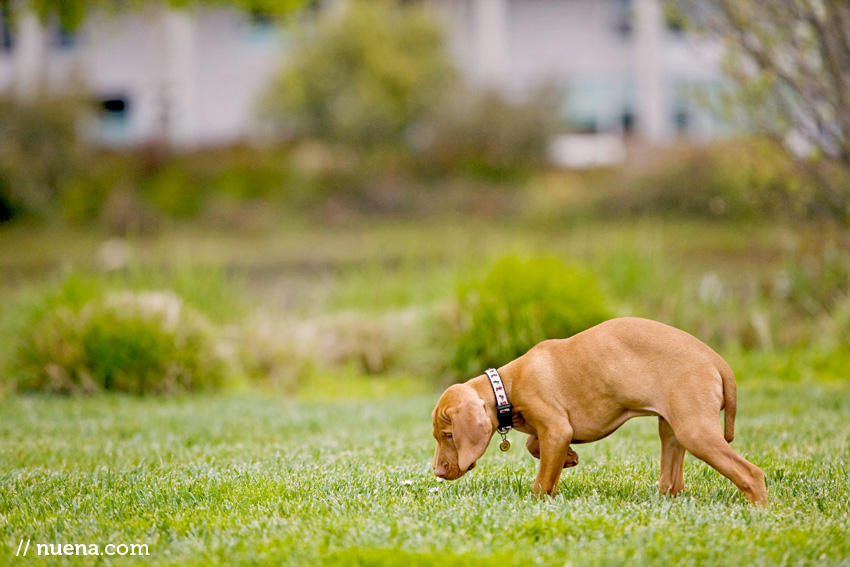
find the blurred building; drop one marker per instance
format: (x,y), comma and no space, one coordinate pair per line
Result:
(624,66)
(626,71)
(189,78)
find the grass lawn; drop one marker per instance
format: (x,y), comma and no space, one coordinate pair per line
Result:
(340,474)
(253,480)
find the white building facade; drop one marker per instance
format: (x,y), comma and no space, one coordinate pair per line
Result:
(621,65)
(194,78)
(187,78)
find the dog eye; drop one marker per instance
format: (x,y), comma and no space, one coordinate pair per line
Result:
(447,435)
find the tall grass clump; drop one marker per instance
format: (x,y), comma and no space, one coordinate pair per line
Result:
(88,335)
(140,343)
(519,303)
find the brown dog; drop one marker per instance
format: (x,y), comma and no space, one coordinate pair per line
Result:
(582,389)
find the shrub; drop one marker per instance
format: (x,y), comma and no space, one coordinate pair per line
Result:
(520,303)
(39,152)
(737,179)
(93,332)
(372,344)
(483,134)
(364,77)
(173,190)
(817,273)
(268,358)
(140,343)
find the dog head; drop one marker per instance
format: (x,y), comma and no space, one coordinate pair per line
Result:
(462,430)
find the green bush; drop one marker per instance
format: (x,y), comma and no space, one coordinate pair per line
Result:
(83,199)
(182,186)
(483,134)
(817,273)
(363,77)
(173,190)
(248,174)
(139,343)
(520,303)
(730,179)
(109,331)
(39,152)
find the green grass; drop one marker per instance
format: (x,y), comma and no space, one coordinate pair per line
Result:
(341,474)
(262,480)
(384,264)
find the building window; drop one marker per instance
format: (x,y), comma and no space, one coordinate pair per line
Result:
(113,127)
(262,28)
(623,22)
(64,38)
(61,35)
(627,121)
(7,41)
(115,107)
(681,118)
(261,20)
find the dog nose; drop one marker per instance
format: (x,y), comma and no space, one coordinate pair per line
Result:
(472,466)
(441,469)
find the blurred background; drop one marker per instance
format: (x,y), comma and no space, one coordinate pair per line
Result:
(349,198)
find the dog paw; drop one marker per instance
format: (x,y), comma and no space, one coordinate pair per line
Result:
(572,459)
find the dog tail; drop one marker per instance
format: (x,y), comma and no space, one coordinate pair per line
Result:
(730,401)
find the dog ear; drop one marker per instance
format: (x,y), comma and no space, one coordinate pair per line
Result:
(471,430)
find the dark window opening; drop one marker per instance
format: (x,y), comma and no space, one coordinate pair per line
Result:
(623,24)
(627,121)
(64,38)
(261,19)
(114,106)
(7,41)
(7,210)
(682,120)
(674,19)
(61,34)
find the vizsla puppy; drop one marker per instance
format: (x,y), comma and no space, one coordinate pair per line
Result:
(582,389)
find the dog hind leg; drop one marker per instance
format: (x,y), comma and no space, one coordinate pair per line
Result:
(672,460)
(533,446)
(703,437)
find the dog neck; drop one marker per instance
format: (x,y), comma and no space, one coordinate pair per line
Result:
(481,385)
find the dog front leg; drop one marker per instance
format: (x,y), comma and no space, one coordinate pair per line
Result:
(554,451)
(533,446)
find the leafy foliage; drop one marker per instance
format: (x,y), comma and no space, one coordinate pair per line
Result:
(790,61)
(484,134)
(363,77)
(72,13)
(39,151)
(520,303)
(735,179)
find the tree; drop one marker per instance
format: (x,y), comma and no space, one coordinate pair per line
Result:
(791,62)
(363,77)
(71,13)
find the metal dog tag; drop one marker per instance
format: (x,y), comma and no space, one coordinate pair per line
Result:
(505,445)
